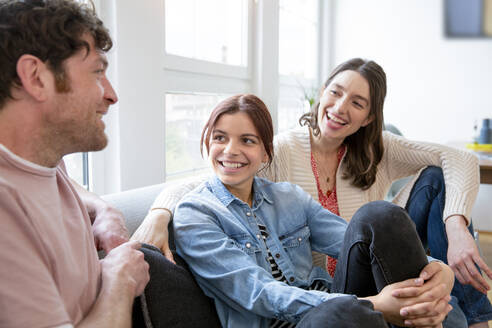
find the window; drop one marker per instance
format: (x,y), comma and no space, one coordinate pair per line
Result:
(78,168)
(298,59)
(78,164)
(195,53)
(298,38)
(205,61)
(291,105)
(214,30)
(186,114)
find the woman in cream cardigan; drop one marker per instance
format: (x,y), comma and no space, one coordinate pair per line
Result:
(342,157)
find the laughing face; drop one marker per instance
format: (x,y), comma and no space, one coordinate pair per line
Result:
(344,106)
(236,153)
(76,115)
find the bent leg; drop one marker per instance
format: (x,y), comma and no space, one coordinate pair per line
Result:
(425,207)
(380,247)
(348,312)
(172,298)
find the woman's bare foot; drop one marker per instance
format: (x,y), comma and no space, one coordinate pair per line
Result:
(480,325)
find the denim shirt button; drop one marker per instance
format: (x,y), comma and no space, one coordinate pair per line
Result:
(300,238)
(248,245)
(291,279)
(258,236)
(277,255)
(248,213)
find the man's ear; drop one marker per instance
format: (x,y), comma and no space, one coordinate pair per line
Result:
(36,79)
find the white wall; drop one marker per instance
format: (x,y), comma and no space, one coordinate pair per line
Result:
(437,87)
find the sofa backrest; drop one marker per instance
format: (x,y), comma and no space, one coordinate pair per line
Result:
(135,204)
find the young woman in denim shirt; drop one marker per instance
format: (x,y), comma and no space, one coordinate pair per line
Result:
(248,242)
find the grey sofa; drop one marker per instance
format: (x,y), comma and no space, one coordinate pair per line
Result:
(135,203)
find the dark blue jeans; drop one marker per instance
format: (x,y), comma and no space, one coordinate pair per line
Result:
(425,206)
(380,247)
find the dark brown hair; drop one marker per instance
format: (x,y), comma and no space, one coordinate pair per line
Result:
(365,147)
(51,30)
(252,106)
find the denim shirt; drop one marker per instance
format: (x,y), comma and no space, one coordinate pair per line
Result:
(218,236)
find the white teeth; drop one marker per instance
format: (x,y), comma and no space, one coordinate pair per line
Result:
(336,120)
(232,165)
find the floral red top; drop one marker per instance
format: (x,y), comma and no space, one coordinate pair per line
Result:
(329,201)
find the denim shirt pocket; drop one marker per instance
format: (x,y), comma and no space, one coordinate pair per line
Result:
(297,246)
(246,243)
(296,238)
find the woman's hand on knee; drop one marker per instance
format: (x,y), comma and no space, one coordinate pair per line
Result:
(411,311)
(153,231)
(389,305)
(435,282)
(422,300)
(428,314)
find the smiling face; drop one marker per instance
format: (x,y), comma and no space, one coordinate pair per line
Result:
(76,115)
(344,106)
(236,153)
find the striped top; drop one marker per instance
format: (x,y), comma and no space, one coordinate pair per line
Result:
(279,276)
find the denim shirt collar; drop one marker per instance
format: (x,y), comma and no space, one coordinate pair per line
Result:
(226,197)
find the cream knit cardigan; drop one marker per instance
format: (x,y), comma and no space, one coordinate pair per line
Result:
(401,158)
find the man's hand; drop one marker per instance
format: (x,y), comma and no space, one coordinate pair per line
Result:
(125,270)
(108,227)
(463,255)
(108,224)
(153,231)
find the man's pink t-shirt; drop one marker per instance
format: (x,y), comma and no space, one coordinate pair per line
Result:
(49,269)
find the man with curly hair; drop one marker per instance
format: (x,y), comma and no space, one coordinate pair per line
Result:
(53,95)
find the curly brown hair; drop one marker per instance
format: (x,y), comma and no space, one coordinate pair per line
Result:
(51,30)
(365,147)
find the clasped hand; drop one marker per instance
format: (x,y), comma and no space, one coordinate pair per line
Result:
(420,302)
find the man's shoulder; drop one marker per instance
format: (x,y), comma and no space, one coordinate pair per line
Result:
(9,195)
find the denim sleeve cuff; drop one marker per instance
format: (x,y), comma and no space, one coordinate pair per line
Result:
(431,259)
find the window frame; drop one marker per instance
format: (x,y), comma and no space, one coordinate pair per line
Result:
(109,170)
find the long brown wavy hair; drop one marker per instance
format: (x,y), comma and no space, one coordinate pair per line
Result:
(365,147)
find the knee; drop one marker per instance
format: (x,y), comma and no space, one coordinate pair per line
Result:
(432,176)
(382,216)
(343,312)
